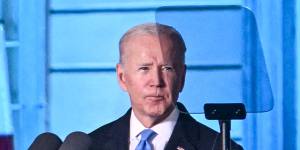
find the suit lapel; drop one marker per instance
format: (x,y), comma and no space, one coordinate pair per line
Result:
(179,140)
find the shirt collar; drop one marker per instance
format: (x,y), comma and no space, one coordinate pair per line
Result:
(164,129)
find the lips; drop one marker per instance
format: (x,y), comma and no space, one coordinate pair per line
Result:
(155,98)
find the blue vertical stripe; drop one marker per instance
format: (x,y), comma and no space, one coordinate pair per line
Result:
(5,116)
(289,76)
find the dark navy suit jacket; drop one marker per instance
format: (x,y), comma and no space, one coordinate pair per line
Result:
(188,134)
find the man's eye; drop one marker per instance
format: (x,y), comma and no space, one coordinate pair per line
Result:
(167,68)
(144,68)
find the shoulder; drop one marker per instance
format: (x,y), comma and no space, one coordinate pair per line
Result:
(112,134)
(198,134)
(118,125)
(104,130)
(194,129)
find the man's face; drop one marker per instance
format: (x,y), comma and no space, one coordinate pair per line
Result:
(152,74)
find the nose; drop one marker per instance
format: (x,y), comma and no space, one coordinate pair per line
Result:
(157,78)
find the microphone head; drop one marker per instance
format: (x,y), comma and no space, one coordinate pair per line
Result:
(46,141)
(76,141)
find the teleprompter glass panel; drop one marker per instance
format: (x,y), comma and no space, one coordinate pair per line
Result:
(226,39)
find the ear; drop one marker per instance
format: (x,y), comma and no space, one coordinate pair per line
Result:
(121,76)
(182,78)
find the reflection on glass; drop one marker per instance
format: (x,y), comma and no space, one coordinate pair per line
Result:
(225,59)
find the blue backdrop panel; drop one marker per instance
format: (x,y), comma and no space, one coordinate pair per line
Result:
(92,37)
(84,101)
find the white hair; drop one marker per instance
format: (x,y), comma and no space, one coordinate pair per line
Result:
(153,29)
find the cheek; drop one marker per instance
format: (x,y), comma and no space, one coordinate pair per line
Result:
(176,84)
(172,84)
(135,85)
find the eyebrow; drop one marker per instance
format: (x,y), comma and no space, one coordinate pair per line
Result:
(150,63)
(145,64)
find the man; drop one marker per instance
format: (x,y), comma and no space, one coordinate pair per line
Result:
(152,70)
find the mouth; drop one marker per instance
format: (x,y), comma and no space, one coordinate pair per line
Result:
(154,98)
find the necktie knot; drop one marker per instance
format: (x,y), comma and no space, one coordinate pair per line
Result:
(146,136)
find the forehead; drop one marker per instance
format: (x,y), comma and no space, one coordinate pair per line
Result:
(149,49)
(152,42)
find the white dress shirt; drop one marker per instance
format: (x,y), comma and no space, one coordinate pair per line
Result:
(163,130)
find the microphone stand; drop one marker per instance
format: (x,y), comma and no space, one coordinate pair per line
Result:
(225,126)
(224,113)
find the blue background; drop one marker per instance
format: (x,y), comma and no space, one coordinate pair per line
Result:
(61,54)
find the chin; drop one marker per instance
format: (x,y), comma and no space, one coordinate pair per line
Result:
(157,112)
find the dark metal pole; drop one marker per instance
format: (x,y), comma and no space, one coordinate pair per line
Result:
(225,126)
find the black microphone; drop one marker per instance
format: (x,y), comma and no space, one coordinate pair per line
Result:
(76,141)
(46,141)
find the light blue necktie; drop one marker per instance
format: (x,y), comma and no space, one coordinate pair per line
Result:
(144,143)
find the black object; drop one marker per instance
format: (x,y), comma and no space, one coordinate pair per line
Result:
(46,141)
(225,112)
(76,141)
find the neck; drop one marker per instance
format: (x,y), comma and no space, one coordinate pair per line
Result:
(150,121)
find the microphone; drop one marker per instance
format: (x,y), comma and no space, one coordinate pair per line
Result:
(46,141)
(76,141)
